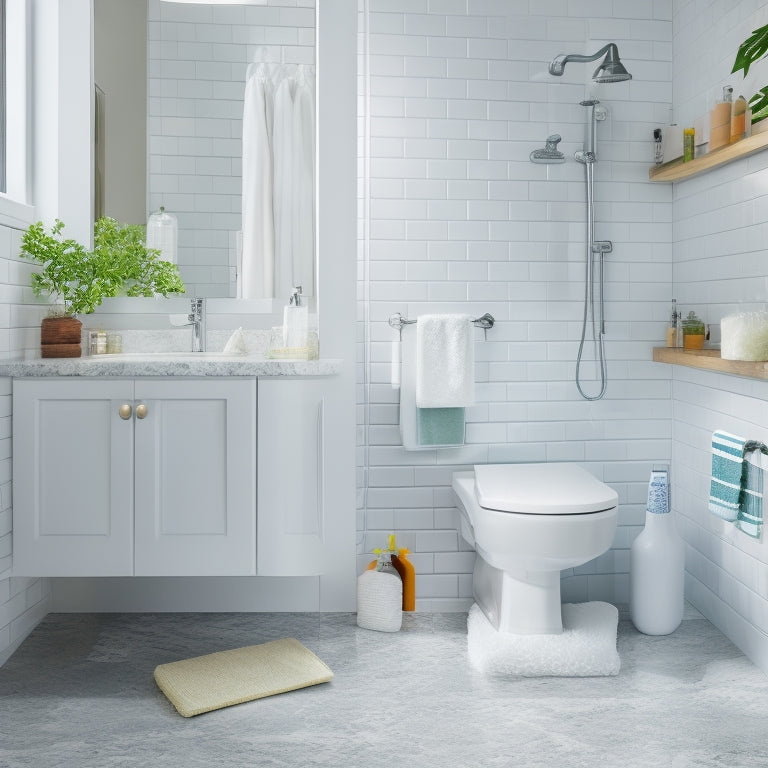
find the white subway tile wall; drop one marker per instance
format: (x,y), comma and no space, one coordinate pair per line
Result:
(23,602)
(720,230)
(454,95)
(198,57)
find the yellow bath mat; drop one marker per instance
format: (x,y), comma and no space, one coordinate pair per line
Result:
(222,679)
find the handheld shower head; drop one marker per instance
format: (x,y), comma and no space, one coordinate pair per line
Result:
(611,70)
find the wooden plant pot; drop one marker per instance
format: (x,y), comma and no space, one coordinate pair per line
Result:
(60,337)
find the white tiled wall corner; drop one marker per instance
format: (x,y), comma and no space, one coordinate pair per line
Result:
(455,218)
(719,226)
(197,63)
(23,602)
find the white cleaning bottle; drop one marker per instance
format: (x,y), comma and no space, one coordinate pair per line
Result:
(380,596)
(295,322)
(656,565)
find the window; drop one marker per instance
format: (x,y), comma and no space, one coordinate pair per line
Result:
(15,86)
(3,48)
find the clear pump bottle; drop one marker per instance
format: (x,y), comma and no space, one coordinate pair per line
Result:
(674,321)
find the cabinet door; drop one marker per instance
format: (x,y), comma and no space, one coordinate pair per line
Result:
(72,478)
(291,493)
(195,481)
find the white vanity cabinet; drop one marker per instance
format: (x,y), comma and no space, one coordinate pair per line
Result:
(295,537)
(144,477)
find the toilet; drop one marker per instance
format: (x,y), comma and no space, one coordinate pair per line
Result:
(528,522)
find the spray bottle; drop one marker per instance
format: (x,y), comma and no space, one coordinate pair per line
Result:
(656,565)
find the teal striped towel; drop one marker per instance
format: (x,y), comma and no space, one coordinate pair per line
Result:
(750,517)
(736,490)
(728,469)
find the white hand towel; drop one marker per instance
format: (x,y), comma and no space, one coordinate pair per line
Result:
(445,361)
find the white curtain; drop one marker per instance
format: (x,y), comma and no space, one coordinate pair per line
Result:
(278,181)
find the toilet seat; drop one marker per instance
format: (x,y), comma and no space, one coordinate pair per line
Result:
(541,489)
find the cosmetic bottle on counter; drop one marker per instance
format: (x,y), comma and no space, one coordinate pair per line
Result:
(295,322)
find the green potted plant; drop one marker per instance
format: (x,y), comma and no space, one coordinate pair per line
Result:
(79,279)
(754,48)
(693,331)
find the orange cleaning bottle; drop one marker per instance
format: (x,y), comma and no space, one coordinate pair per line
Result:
(408,574)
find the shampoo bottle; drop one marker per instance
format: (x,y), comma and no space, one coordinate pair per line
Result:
(720,121)
(295,322)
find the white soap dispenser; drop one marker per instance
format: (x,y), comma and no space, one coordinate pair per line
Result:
(295,322)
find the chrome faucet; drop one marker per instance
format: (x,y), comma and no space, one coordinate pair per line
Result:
(195,319)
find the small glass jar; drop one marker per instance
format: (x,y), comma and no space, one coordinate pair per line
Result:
(97,342)
(693,332)
(114,343)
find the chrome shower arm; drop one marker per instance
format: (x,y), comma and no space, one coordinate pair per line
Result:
(610,70)
(557,67)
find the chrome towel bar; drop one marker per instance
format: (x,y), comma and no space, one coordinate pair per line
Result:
(397,321)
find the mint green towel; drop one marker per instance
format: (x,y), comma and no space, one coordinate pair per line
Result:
(441,426)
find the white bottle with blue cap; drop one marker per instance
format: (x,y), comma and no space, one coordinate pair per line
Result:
(656,565)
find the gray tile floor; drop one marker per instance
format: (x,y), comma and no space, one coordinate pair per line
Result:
(79,692)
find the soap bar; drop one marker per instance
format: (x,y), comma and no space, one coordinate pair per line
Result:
(744,336)
(236,344)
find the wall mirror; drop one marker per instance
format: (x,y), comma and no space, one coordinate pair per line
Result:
(176,85)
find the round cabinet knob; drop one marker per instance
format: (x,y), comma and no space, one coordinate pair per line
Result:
(125,411)
(141,411)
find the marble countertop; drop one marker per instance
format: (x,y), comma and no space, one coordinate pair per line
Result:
(168,364)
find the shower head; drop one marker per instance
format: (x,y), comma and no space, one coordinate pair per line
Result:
(611,70)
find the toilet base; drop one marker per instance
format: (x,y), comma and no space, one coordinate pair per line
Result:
(521,603)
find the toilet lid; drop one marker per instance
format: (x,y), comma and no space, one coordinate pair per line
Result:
(544,489)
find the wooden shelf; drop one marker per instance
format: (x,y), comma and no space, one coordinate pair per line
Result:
(710,360)
(675,170)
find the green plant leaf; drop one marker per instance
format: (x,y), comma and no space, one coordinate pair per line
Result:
(759,105)
(82,279)
(752,49)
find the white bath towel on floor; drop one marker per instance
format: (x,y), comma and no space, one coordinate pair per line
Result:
(445,361)
(586,647)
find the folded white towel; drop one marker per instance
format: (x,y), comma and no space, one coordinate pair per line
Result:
(445,361)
